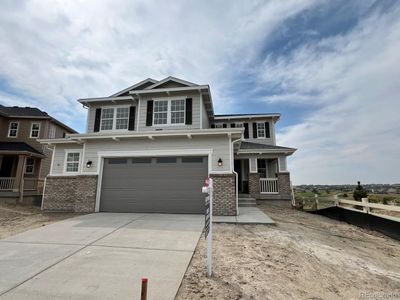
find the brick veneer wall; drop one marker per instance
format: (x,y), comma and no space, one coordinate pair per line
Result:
(254,185)
(70,193)
(224,197)
(284,185)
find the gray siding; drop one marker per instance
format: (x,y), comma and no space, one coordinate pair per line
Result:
(268,141)
(195,113)
(220,146)
(204,116)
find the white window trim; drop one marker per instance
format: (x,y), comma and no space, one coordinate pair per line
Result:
(239,123)
(33,166)
(265,133)
(9,129)
(67,151)
(114,125)
(30,135)
(169,113)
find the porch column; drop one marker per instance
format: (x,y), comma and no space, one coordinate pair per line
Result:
(284,185)
(254,185)
(19,176)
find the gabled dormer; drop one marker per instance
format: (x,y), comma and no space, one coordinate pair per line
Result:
(151,105)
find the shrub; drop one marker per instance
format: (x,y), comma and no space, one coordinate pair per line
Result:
(359,192)
(386,200)
(344,195)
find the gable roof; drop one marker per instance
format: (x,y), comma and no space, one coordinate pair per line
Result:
(30,113)
(181,82)
(137,86)
(251,147)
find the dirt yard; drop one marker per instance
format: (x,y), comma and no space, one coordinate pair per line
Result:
(16,218)
(303,256)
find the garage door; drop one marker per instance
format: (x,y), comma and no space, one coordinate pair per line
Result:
(153,184)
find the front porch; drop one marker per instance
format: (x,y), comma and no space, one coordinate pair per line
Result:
(19,177)
(263,177)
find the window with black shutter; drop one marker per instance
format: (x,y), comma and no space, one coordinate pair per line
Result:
(246,130)
(267,132)
(189,113)
(149,114)
(255,130)
(97,119)
(132,113)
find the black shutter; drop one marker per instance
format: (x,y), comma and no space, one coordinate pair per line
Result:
(212,125)
(97,119)
(149,115)
(188,120)
(232,125)
(246,130)
(132,112)
(255,130)
(224,125)
(267,133)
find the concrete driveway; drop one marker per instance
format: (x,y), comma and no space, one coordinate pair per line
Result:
(100,256)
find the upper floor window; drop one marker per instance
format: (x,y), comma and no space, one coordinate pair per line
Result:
(261,130)
(114,118)
(72,161)
(30,166)
(13,129)
(167,112)
(35,129)
(219,125)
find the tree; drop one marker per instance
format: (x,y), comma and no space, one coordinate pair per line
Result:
(315,191)
(359,192)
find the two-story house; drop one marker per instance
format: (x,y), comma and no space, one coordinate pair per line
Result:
(148,148)
(24,162)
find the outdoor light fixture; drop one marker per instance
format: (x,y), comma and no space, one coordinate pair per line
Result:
(220,162)
(89,164)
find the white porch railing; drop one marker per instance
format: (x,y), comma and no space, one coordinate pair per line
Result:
(269,186)
(6,183)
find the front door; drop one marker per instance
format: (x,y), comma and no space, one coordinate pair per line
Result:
(6,166)
(238,169)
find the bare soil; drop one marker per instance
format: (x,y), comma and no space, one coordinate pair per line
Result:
(303,256)
(17,218)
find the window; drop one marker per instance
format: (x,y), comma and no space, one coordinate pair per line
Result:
(141,160)
(35,129)
(262,167)
(13,129)
(166,160)
(238,125)
(192,159)
(261,130)
(30,166)
(117,161)
(167,112)
(177,111)
(219,125)
(122,118)
(52,132)
(72,162)
(107,118)
(160,112)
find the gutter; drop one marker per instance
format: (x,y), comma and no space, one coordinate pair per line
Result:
(236,175)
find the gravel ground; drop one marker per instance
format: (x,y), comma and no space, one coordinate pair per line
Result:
(18,218)
(303,256)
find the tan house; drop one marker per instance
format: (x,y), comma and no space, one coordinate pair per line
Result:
(149,147)
(24,162)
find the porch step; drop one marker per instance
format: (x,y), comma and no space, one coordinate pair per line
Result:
(244,196)
(247,201)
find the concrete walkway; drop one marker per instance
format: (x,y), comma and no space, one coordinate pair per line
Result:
(98,256)
(247,215)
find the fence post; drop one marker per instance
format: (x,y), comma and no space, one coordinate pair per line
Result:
(366,209)
(316,201)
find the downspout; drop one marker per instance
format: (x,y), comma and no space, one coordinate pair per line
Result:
(236,175)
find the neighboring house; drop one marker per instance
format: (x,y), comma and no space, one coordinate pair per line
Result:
(24,162)
(148,148)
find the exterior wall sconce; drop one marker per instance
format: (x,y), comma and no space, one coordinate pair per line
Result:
(89,164)
(220,162)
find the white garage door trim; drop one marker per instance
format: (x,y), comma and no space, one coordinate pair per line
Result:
(112,154)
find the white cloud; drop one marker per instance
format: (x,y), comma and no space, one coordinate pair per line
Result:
(356,79)
(58,51)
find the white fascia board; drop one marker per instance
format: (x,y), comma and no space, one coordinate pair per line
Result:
(165,90)
(134,86)
(170,78)
(58,141)
(266,151)
(85,101)
(247,117)
(219,131)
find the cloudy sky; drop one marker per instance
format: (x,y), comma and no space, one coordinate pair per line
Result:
(332,68)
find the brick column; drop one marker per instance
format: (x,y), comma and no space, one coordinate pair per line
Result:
(70,193)
(284,185)
(224,197)
(254,185)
